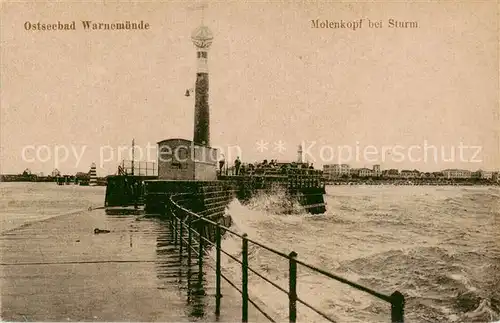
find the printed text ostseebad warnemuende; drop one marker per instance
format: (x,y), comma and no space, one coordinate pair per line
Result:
(87,25)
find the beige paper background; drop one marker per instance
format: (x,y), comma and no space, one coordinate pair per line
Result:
(272,77)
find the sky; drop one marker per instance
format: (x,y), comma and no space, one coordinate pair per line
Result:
(413,98)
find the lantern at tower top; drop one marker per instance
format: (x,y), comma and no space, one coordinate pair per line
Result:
(202,37)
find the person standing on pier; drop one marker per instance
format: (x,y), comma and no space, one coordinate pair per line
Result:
(136,194)
(237,164)
(221,165)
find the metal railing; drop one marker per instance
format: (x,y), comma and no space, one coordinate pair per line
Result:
(137,167)
(185,222)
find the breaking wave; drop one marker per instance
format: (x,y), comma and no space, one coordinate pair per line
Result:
(274,202)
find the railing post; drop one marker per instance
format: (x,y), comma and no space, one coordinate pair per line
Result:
(217,270)
(175,230)
(190,238)
(244,278)
(200,249)
(181,236)
(292,287)
(397,307)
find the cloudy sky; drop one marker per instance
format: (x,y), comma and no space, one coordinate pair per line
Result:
(412,96)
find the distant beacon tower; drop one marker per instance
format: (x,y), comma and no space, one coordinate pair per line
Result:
(299,154)
(202,39)
(93,175)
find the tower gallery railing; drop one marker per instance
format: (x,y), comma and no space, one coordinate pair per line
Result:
(191,230)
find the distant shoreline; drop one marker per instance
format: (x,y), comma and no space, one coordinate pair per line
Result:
(400,184)
(414,182)
(46,179)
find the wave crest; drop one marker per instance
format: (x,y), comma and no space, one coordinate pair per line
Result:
(276,201)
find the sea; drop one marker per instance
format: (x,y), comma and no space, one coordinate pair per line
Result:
(439,246)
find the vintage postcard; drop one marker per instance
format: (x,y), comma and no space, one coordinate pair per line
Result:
(254,161)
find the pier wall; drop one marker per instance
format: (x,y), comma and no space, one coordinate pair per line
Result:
(125,190)
(205,198)
(210,198)
(188,199)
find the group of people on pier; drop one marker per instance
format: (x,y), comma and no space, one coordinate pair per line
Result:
(265,167)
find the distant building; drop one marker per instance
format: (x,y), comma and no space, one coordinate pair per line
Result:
(55,173)
(82,175)
(335,170)
(486,174)
(410,173)
(391,173)
(481,174)
(327,172)
(457,173)
(344,169)
(365,172)
(438,174)
(376,170)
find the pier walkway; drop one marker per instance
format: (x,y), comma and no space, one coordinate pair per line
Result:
(59,270)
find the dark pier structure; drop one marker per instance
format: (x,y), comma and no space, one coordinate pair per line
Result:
(186,166)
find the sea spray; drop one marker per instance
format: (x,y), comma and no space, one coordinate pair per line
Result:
(276,201)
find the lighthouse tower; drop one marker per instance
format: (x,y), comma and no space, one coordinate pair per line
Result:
(202,38)
(199,163)
(93,175)
(299,155)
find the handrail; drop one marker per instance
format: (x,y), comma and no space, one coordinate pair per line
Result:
(184,218)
